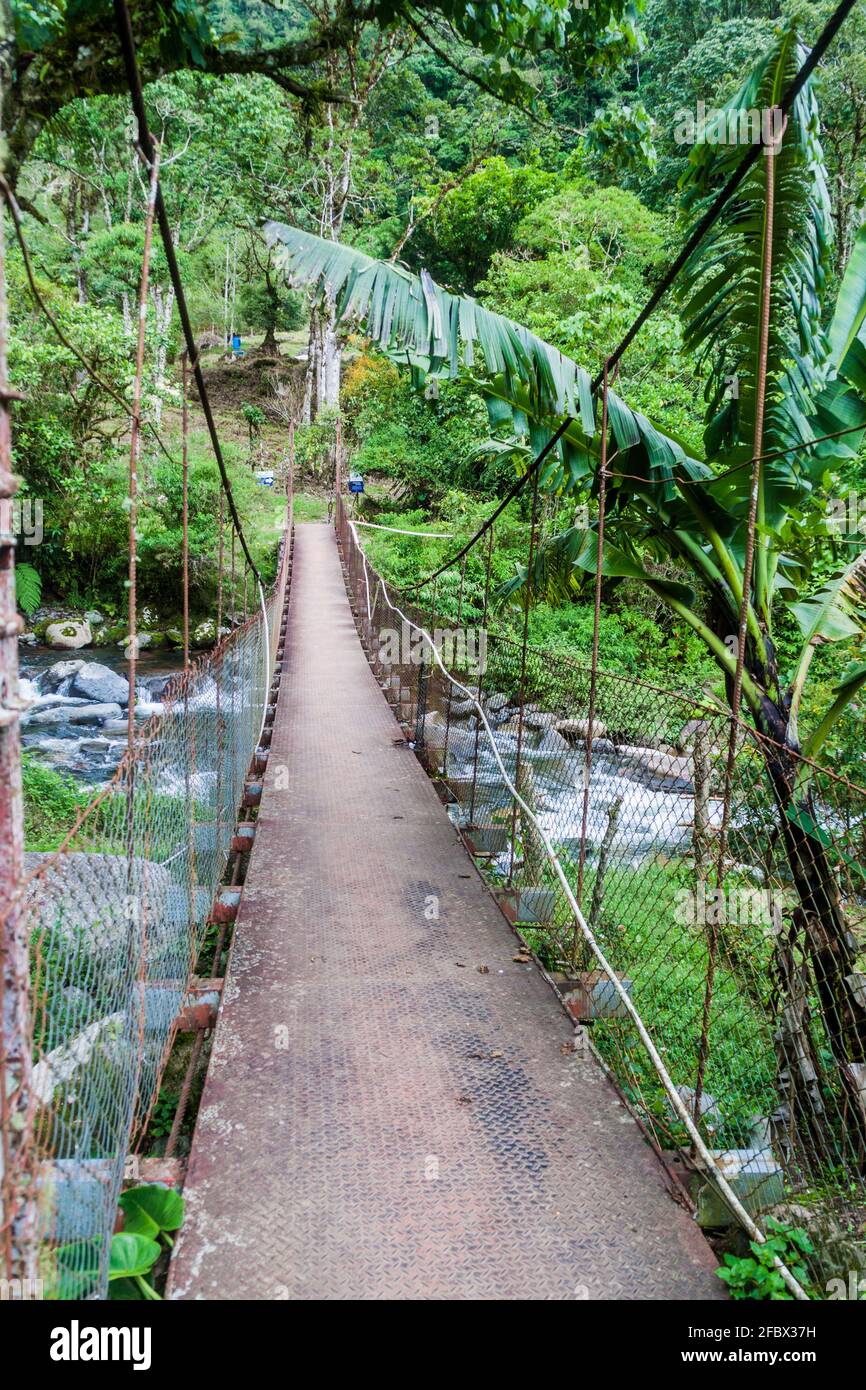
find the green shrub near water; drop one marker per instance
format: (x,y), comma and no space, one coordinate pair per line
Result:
(52,800)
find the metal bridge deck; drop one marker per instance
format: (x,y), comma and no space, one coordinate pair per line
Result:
(380,1118)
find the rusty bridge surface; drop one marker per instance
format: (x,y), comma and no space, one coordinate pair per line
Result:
(383,1118)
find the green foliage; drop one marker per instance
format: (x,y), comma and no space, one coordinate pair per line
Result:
(426,444)
(28,587)
(621,137)
(271,309)
(722,285)
(150,1213)
(480,216)
(756,1276)
(152,1210)
(64,418)
(255,418)
(162,1114)
(51,803)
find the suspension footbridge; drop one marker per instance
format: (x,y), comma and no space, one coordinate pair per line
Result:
(306,871)
(394,1105)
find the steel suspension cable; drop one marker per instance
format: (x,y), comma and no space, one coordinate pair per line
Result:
(524,643)
(513,492)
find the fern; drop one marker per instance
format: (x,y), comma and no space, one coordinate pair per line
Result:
(28,588)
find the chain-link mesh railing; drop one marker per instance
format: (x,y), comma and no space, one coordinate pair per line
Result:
(740,978)
(115,921)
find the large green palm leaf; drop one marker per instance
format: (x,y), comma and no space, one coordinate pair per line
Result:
(528,385)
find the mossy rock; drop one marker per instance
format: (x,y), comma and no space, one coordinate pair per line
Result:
(204,634)
(68,634)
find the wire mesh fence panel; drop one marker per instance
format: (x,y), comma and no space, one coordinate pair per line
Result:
(116,920)
(743,967)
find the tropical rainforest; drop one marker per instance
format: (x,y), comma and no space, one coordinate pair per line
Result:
(415,236)
(540,159)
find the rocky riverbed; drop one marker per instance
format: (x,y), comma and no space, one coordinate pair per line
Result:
(651,787)
(77,711)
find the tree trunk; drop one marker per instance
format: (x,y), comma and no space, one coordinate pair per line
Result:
(312,380)
(820,924)
(331,356)
(163,305)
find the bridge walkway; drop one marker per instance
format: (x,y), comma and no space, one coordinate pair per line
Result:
(392,1108)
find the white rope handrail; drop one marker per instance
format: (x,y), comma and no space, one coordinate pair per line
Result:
(398,531)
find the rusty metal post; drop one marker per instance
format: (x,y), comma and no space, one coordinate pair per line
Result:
(450,694)
(185,508)
(338,457)
(593,677)
(134,452)
(219,675)
(18,1225)
(424,682)
(523,646)
(487,563)
(190,762)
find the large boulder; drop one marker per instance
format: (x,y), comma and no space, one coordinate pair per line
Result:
(93,681)
(553,743)
(141,641)
(52,679)
(74,714)
(495,702)
(538,719)
(115,728)
(653,764)
(110,634)
(156,686)
(146,709)
(461,709)
(69,635)
(93,910)
(576,730)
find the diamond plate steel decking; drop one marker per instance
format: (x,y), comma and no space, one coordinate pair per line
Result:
(381,1119)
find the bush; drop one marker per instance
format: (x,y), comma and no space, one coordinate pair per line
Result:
(51,803)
